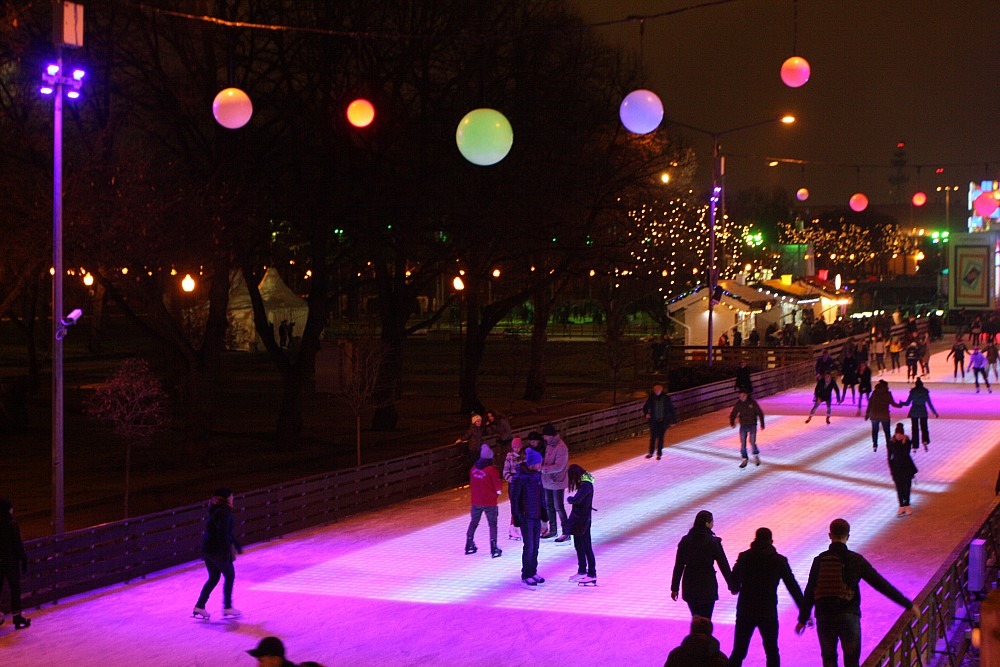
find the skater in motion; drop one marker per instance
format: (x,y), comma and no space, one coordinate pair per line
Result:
(826,389)
(694,567)
(833,587)
(698,649)
(878,411)
(515,457)
(902,468)
(659,410)
(957,351)
(748,412)
(13,562)
(581,485)
(912,356)
(849,376)
(485,487)
(979,366)
(219,548)
(756,575)
(528,509)
(864,383)
(919,401)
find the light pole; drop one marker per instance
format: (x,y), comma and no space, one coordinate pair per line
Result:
(459,286)
(57,84)
(718,180)
(947,190)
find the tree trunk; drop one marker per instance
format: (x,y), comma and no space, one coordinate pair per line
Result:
(390,379)
(534,388)
(357,432)
(289,424)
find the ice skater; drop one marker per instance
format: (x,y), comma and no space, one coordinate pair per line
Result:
(528,509)
(849,376)
(826,389)
(485,486)
(912,356)
(957,351)
(902,468)
(219,548)
(919,401)
(473,437)
(659,411)
(581,485)
(555,481)
(511,465)
(748,412)
(864,383)
(979,366)
(697,554)
(13,562)
(878,411)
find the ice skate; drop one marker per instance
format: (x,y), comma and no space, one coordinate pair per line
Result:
(495,551)
(756,460)
(578,576)
(901,512)
(538,580)
(470,547)
(908,510)
(809,419)
(530,583)
(828,419)
(20,622)
(563,538)
(587,581)
(198,612)
(743,464)
(231,612)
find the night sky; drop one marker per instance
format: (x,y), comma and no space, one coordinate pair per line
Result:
(924,72)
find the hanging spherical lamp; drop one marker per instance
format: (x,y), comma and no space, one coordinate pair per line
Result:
(919,198)
(232,108)
(859,202)
(484,137)
(360,113)
(795,72)
(985,204)
(802,194)
(641,111)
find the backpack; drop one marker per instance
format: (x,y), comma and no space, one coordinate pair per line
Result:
(831,581)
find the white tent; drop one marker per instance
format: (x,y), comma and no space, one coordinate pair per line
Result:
(281,303)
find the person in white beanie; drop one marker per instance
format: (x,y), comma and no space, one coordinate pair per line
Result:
(486,486)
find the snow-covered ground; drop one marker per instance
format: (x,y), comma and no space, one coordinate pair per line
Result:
(393,587)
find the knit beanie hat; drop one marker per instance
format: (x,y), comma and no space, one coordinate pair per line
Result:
(548,429)
(485,452)
(515,443)
(531,457)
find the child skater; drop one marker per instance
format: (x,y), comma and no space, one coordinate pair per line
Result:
(581,484)
(13,561)
(510,467)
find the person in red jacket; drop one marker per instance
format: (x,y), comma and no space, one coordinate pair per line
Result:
(485,484)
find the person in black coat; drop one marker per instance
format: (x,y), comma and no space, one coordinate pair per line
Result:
(527,508)
(219,548)
(13,561)
(697,554)
(659,410)
(698,649)
(756,575)
(581,483)
(902,468)
(743,379)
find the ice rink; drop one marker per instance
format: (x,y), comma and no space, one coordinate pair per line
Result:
(393,587)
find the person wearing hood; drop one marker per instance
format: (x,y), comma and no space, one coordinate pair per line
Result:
(581,483)
(698,649)
(756,575)
(919,401)
(219,548)
(13,562)
(555,461)
(527,506)
(697,554)
(485,486)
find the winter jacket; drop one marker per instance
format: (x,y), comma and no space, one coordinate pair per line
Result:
(823,364)
(856,568)
(485,484)
(512,464)
(526,496)
(217,541)
(748,412)
(879,402)
(958,351)
(743,380)
(583,504)
(11,547)
(824,392)
(697,650)
(977,360)
(900,463)
(865,380)
(849,368)
(499,428)
(919,400)
(555,464)
(756,575)
(660,408)
(697,554)
(912,353)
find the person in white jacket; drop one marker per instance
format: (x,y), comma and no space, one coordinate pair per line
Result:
(555,479)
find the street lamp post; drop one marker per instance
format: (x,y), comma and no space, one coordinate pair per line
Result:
(947,189)
(718,174)
(459,286)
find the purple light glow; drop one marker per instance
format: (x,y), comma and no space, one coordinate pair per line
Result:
(46,90)
(78,74)
(52,70)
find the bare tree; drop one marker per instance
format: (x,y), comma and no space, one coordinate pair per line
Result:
(363,357)
(132,402)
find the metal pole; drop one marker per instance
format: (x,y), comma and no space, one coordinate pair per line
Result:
(714,202)
(58,511)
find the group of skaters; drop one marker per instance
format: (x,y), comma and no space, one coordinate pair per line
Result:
(538,474)
(832,590)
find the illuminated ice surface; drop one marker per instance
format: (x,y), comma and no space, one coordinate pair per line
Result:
(393,587)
